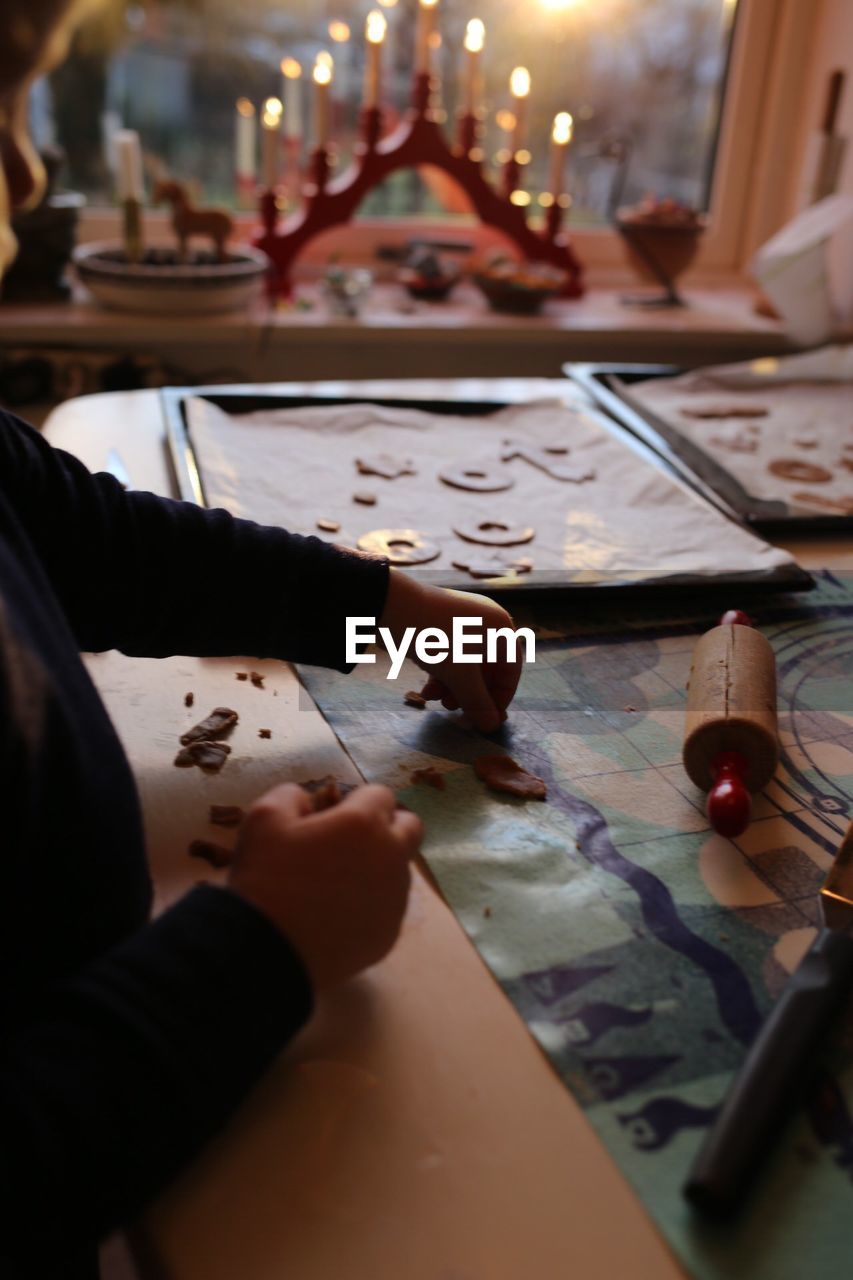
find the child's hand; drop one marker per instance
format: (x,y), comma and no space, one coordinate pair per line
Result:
(334,883)
(483,691)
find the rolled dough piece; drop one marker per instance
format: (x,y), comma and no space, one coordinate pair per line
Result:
(385,465)
(494,533)
(329,526)
(502,773)
(479,477)
(731,705)
(800,472)
(366,499)
(414,699)
(399,546)
(491,564)
(542,456)
(220,722)
(726,411)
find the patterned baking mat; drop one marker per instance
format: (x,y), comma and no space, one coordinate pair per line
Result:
(641,949)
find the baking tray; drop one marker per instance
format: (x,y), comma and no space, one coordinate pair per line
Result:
(474,397)
(609,386)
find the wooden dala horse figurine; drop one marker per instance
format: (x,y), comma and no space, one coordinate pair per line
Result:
(188,221)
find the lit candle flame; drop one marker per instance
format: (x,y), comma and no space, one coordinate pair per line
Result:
(519,82)
(339,31)
(245,107)
(291,68)
(323,69)
(563,127)
(428,4)
(272,113)
(475,35)
(375,27)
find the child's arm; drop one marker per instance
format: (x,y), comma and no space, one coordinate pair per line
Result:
(153,577)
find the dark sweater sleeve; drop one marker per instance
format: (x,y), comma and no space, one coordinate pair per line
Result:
(128,1068)
(153,577)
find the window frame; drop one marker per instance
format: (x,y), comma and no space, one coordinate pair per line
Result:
(757,158)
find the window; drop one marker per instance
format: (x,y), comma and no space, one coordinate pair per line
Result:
(643,82)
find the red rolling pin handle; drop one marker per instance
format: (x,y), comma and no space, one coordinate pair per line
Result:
(729,803)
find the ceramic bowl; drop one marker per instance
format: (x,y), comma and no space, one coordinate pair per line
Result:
(161,284)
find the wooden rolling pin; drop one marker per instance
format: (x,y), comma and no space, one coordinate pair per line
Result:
(731,744)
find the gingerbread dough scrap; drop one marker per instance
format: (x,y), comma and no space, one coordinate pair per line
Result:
(327,792)
(478,477)
(226,815)
(385,465)
(798,471)
(726,411)
(429,776)
(399,546)
(216,854)
(413,699)
(502,773)
(209,756)
(189,699)
(220,722)
(328,526)
(494,533)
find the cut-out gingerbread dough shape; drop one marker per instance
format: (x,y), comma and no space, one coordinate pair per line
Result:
(494,533)
(545,458)
(385,465)
(478,477)
(399,546)
(726,411)
(491,564)
(800,472)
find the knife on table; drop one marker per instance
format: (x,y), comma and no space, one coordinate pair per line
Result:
(769,1083)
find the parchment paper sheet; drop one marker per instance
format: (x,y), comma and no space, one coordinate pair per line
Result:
(293,466)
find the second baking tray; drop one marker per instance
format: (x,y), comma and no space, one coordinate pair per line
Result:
(609,386)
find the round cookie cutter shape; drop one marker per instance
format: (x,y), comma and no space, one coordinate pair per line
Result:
(494,533)
(399,546)
(478,477)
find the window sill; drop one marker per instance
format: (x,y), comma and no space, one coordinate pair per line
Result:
(458,337)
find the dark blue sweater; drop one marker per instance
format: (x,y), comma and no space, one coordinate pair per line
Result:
(125,1044)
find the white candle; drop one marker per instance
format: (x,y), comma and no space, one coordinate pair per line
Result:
(425,28)
(128,165)
(323,72)
(270,140)
(374,33)
(475,35)
(291,96)
(561,136)
(245,138)
(519,85)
